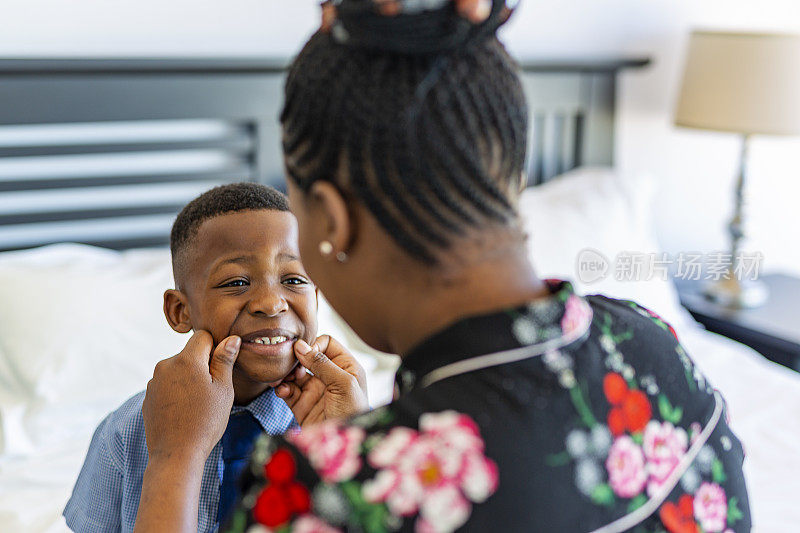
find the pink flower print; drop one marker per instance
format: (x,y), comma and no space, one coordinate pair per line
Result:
(577,315)
(332,449)
(311,524)
(389,448)
(626,469)
(664,445)
(711,507)
(436,472)
(447,508)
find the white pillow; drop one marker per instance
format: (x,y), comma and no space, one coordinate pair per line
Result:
(81,329)
(597,208)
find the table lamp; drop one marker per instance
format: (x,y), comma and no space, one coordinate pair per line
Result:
(748,84)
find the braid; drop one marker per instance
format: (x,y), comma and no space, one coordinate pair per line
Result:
(460,151)
(442,149)
(468,121)
(511,92)
(358,142)
(418,162)
(381,157)
(429,143)
(491,97)
(404,166)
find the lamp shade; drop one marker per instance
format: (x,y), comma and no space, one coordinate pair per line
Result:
(741,82)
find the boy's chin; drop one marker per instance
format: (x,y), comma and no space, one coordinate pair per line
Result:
(270,373)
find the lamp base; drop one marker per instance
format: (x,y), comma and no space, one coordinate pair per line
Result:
(737,294)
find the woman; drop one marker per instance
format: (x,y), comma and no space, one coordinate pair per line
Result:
(520,406)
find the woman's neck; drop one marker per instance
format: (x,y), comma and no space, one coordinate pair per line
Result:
(501,281)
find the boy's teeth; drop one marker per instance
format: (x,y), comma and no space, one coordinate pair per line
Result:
(270,340)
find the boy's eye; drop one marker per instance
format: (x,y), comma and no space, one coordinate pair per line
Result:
(235,283)
(296,281)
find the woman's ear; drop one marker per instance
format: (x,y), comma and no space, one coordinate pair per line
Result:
(338,224)
(176,310)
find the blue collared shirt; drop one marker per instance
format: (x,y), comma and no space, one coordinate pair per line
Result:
(106,495)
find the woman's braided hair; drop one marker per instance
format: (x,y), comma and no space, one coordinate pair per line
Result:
(432,143)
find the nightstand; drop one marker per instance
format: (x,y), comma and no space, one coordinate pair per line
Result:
(772,329)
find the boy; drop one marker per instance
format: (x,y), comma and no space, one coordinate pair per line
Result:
(237,272)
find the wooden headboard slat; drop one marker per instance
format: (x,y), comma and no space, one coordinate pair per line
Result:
(233,174)
(237,101)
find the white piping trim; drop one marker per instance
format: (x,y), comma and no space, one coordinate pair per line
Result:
(628,521)
(500,358)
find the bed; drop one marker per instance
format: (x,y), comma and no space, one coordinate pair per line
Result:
(97,156)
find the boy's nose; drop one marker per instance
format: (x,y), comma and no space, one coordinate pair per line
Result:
(267,302)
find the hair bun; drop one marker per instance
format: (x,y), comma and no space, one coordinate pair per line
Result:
(417,27)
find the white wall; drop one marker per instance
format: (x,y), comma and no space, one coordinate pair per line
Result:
(695,169)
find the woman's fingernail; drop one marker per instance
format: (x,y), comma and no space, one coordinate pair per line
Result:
(302,347)
(232,345)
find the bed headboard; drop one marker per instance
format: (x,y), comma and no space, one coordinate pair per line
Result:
(106,152)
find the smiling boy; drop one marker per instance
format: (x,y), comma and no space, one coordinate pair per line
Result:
(237,272)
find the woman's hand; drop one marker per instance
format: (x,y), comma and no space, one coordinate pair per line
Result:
(188,401)
(337,388)
(186,409)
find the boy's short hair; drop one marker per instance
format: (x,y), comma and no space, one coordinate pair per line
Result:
(218,201)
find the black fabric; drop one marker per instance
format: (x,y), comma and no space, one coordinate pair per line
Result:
(550,425)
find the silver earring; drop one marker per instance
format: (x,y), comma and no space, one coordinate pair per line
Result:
(325,248)
(341,257)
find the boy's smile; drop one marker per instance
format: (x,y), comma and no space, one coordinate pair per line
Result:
(271,342)
(243,277)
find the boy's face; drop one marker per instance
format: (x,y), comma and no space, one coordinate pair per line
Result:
(243,276)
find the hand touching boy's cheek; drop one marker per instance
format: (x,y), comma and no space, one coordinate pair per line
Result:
(247,280)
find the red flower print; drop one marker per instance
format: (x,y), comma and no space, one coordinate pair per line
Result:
(679,518)
(299,498)
(272,507)
(630,410)
(637,411)
(616,422)
(615,388)
(281,468)
(283,497)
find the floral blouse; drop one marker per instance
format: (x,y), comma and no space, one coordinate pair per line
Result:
(601,423)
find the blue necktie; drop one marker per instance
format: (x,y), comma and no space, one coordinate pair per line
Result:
(237,442)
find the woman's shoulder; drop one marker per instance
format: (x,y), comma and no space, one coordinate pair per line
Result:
(633,354)
(628,311)
(620,426)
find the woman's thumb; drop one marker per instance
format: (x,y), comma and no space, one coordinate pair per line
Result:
(223,358)
(318,363)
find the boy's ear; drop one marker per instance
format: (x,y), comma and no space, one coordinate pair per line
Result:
(176,310)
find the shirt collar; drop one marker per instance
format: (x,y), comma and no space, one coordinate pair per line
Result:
(541,320)
(270,412)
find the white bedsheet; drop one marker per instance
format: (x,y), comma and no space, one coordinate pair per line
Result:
(764,408)
(763,398)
